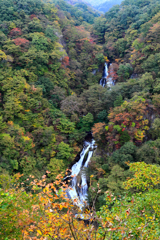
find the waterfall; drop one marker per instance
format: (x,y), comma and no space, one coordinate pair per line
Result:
(105,73)
(78,189)
(106,80)
(104,76)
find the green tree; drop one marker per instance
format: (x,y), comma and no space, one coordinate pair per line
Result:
(87,122)
(39,41)
(152,63)
(127,153)
(65,152)
(115,180)
(100,28)
(149,152)
(124,71)
(146,82)
(118,101)
(50,33)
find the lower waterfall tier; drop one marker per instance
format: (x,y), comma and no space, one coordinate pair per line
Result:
(78,190)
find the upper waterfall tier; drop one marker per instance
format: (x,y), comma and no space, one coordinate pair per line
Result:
(106,79)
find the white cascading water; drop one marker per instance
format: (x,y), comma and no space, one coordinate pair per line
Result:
(78,191)
(105,79)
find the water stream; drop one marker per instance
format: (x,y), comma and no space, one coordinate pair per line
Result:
(79,187)
(78,190)
(106,79)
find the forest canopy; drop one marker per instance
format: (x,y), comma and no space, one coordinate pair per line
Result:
(52,57)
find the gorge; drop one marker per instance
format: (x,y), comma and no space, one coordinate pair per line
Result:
(62,107)
(78,190)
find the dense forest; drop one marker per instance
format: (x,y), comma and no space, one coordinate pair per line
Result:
(52,57)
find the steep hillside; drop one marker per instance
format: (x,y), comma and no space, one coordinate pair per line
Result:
(105,6)
(54,57)
(94,2)
(102,6)
(130,37)
(44,57)
(79,11)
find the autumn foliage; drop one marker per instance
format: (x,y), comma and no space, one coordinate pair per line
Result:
(15,32)
(113,71)
(128,122)
(50,98)
(65,61)
(98,129)
(33,16)
(46,213)
(21,41)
